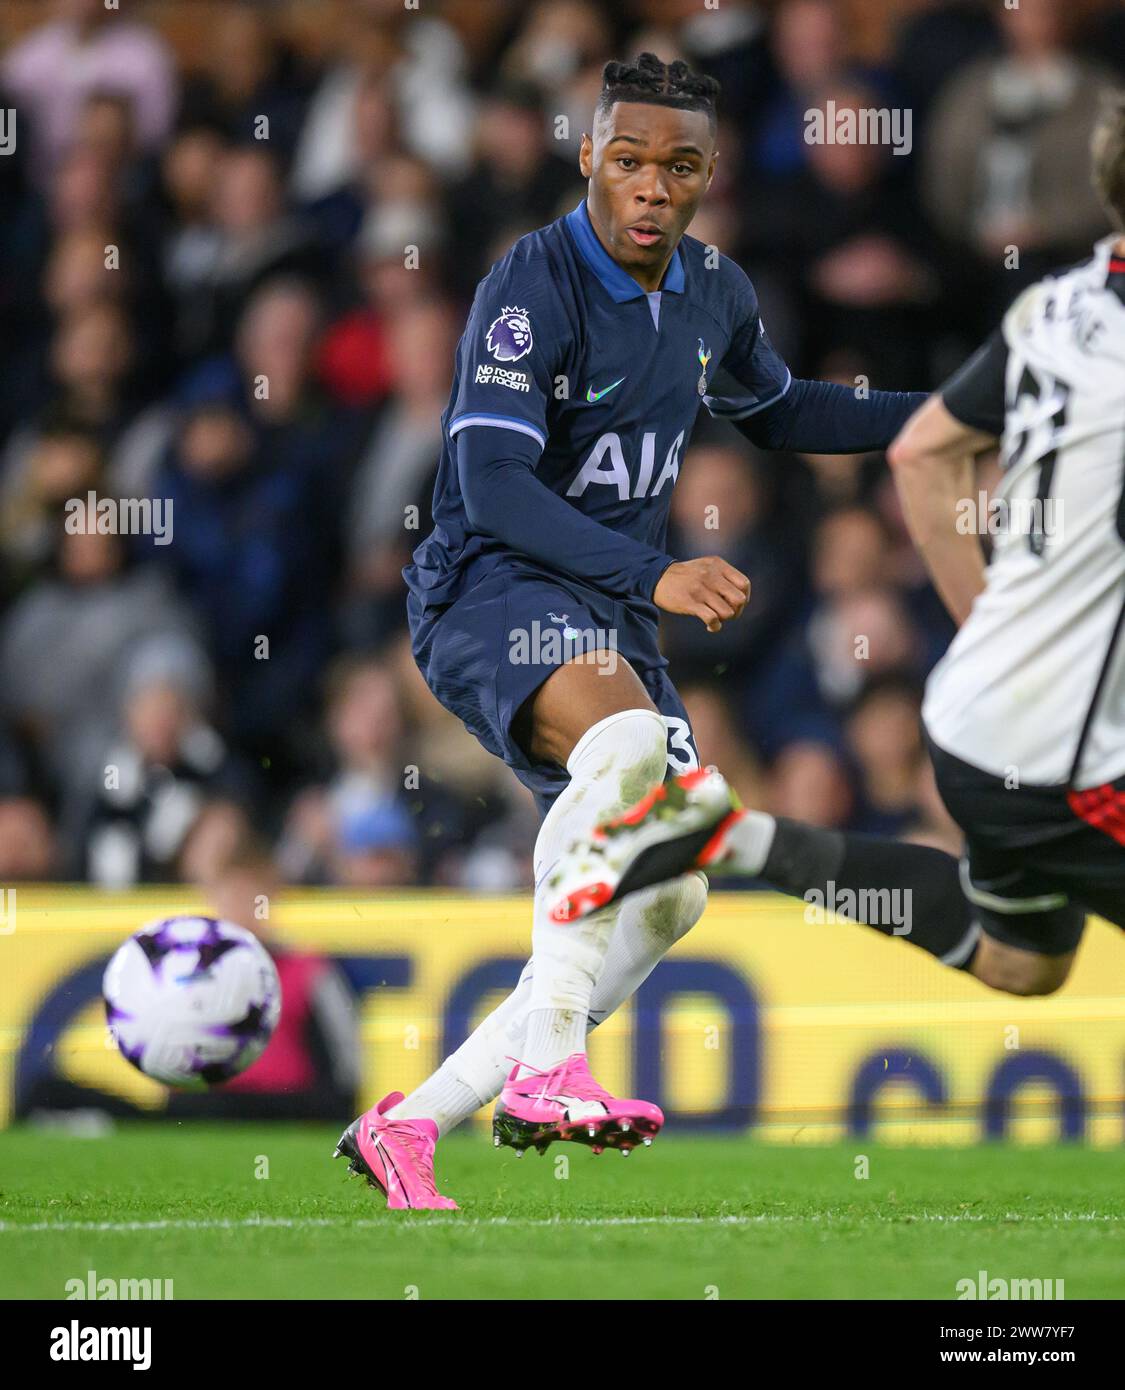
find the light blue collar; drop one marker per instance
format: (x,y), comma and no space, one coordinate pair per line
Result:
(619,284)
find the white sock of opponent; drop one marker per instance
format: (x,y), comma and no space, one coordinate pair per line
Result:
(649,923)
(613,765)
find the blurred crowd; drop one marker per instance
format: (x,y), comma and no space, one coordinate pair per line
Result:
(237,245)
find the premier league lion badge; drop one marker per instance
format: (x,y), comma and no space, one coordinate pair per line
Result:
(509,336)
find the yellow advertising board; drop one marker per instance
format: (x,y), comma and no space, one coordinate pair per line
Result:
(757,1021)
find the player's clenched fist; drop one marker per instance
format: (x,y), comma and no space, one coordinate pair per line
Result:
(708,589)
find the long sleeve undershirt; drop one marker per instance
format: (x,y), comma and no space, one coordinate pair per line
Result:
(823,417)
(504,499)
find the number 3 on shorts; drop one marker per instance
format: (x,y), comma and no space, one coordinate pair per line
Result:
(682,756)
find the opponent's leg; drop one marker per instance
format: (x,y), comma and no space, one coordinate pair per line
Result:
(912,891)
(1021,941)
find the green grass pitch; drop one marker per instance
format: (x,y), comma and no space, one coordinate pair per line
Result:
(689,1218)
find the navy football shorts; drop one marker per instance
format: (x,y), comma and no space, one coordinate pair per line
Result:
(486,653)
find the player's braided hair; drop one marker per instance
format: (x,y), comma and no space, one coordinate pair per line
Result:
(659,84)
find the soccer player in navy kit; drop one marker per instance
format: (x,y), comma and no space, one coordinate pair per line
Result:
(533,603)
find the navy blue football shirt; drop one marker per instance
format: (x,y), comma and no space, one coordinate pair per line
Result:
(568,367)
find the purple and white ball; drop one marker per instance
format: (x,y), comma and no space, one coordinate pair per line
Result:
(192,1001)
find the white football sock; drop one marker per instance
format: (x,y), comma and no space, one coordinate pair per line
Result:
(553,1034)
(442,1097)
(649,923)
(475,1074)
(615,762)
(746,844)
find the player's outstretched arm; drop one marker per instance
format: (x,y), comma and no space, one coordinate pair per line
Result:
(757,393)
(822,417)
(933,460)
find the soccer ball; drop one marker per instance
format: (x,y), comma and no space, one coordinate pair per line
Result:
(191,1001)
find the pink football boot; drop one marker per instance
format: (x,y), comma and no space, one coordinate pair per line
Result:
(396,1156)
(567,1103)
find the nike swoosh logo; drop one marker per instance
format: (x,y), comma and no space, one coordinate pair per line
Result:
(592,395)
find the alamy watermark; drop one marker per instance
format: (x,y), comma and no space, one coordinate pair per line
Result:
(93,1288)
(129,516)
(984,1287)
(847,125)
(559,641)
(875,907)
(77,1343)
(983,515)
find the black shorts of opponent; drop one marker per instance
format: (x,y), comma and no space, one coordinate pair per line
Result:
(1037,859)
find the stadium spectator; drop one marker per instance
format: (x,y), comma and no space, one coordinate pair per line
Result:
(310,1068)
(856,635)
(249,85)
(338,211)
(419,59)
(27,843)
(376,847)
(62,460)
(396,262)
(70,642)
(1005,174)
(718,735)
(389,507)
(559,39)
(935,39)
(516,177)
(152,782)
(480,803)
(356,827)
(217,831)
(93,354)
(809,782)
(88,48)
(808,55)
(255,238)
(884,739)
(843,231)
(252,557)
(849,552)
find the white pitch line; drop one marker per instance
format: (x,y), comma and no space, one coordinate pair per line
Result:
(366,1223)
